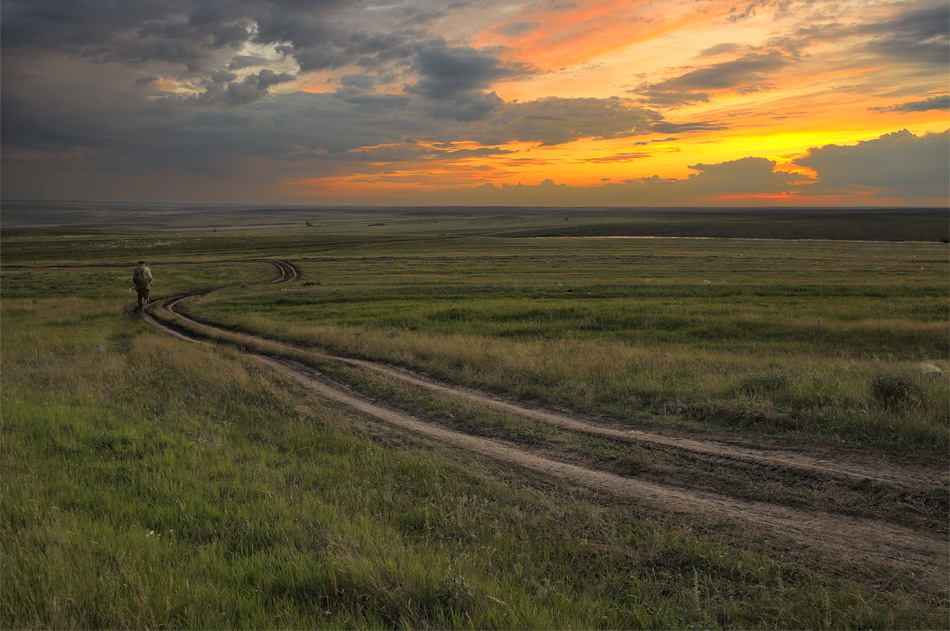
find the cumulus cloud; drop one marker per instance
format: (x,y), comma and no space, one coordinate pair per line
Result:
(895,165)
(745,176)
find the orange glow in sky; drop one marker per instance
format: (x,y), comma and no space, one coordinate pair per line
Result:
(599,102)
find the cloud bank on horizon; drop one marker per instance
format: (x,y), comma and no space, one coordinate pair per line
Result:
(521,102)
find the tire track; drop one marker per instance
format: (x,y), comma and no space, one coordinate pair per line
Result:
(851,537)
(918,551)
(733,450)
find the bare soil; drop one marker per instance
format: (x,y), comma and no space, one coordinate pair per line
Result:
(918,550)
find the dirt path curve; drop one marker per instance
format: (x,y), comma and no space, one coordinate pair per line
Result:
(837,464)
(921,552)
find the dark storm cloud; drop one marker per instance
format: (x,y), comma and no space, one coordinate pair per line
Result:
(239,62)
(748,73)
(186,32)
(68,24)
(447,72)
(455,78)
(225,89)
(127,32)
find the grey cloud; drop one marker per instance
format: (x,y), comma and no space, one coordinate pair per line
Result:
(665,127)
(410,151)
(329,127)
(453,79)
(917,36)
(552,121)
(340,46)
(224,89)
(736,16)
(518,28)
(448,72)
(466,107)
(196,37)
(68,24)
(239,62)
(720,49)
(301,25)
(668,98)
(940,103)
(267,78)
(899,164)
(743,176)
(359,90)
(119,31)
(745,74)
(621,157)
(254,87)
(186,32)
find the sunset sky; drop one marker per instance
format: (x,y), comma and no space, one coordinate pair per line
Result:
(521,102)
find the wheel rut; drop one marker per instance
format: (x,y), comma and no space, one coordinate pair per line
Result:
(921,552)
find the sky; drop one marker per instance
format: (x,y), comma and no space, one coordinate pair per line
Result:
(520,102)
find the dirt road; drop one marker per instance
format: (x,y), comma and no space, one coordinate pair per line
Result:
(918,550)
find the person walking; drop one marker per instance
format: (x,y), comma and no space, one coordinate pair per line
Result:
(142,277)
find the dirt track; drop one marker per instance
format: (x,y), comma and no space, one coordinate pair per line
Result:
(920,551)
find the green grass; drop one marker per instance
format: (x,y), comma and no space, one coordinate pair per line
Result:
(149,482)
(764,337)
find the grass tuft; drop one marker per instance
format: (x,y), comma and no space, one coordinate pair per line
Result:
(891,388)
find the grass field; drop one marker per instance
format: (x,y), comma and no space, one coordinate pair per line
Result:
(151,482)
(772,336)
